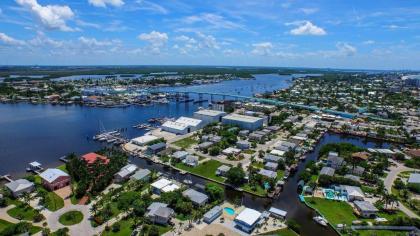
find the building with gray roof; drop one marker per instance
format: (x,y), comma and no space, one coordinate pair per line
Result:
(212,214)
(142,174)
(20,186)
(159,213)
(327,171)
(196,197)
(365,209)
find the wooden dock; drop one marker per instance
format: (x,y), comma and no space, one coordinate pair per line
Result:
(6,177)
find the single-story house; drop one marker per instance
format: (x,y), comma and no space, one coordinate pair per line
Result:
(243,133)
(222,170)
(142,174)
(256,137)
(243,144)
(285,146)
(231,151)
(205,145)
(277,152)
(352,177)
(212,214)
(20,186)
(144,140)
(365,209)
(158,185)
(414,178)
(247,219)
(335,162)
(170,188)
(271,166)
(358,170)
(198,199)
(92,157)
(353,193)
(159,213)
(180,155)
(272,158)
(327,171)
(53,179)
(156,148)
(191,160)
(125,172)
(268,173)
(361,155)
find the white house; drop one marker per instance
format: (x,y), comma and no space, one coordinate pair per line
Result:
(182,125)
(125,172)
(209,116)
(244,122)
(143,140)
(247,219)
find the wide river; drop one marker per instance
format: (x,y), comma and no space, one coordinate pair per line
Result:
(44,133)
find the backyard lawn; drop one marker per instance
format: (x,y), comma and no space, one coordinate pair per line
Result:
(381,233)
(282,232)
(125,229)
(342,212)
(22,212)
(4,224)
(71,218)
(206,169)
(63,168)
(259,189)
(185,143)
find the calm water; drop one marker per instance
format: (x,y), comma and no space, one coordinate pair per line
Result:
(46,132)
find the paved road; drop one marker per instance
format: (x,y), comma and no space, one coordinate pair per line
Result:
(389,181)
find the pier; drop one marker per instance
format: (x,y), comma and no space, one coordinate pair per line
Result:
(6,177)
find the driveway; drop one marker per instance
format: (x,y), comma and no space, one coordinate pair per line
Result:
(389,181)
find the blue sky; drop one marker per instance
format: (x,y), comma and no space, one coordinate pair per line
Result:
(334,34)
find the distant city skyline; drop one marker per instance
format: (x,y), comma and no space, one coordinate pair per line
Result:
(318,34)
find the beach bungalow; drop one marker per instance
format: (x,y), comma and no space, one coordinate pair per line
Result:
(247,220)
(124,173)
(159,213)
(277,213)
(197,198)
(268,173)
(180,155)
(191,160)
(231,151)
(365,209)
(20,186)
(335,161)
(53,179)
(222,170)
(158,185)
(212,214)
(142,174)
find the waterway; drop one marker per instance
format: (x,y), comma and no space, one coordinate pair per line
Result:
(44,133)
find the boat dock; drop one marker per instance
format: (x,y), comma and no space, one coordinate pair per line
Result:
(63,159)
(6,177)
(113,137)
(35,167)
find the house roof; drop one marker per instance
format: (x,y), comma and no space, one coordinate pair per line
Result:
(50,175)
(224,168)
(212,212)
(414,178)
(92,157)
(361,155)
(159,209)
(212,113)
(175,125)
(161,183)
(327,171)
(414,152)
(18,185)
(195,196)
(180,154)
(268,173)
(145,139)
(169,188)
(277,211)
(127,170)
(242,118)
(365,206)
(189,121)
(271,164)
(272,158)
(248,216)
(157,146)
(353,190)
(140,174)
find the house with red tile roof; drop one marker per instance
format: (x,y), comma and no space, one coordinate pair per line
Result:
(92,157)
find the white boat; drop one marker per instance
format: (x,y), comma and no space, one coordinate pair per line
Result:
(187,181)
(320,220)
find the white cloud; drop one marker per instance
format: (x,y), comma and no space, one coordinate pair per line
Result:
(262,49)
(369,42)
(51,16)
(345,49)
(93,42)
(104,3)
(186,39)
(156,40)
(309,11)
(207,41)
(6,39)
(215,21)
(306,28)
(150,6)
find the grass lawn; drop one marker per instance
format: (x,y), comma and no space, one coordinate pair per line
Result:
(391,216)
(280,174)
(125,229)
(4,224)
(249,151)
(282,232)
(71,218)
(259,191)
(335,212)
(186,142)
(381,233)
(206,169)
(22,213)
(258,165)
(63,168)
(53,202)
(163,229)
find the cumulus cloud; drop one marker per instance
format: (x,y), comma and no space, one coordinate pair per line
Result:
(186,39)
(262,49)
(207,41)
(105,3)
(306,28)
(156,40)
(369,42)
(52,17)
(10,41)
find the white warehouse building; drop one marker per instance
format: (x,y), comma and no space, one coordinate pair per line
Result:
(244,122)
(183,125)
(209,116)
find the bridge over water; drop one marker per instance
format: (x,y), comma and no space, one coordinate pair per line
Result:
(263,100)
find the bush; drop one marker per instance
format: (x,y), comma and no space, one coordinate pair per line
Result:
(116,227)
(326,181)
(414,187)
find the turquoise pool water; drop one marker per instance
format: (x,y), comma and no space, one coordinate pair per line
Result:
(333,195)
(230,211)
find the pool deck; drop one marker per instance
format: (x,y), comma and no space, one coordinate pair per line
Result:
(237,210)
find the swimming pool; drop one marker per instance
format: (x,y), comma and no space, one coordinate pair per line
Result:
(331,194)
(230,211)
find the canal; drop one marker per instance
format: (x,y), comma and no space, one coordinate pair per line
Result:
(288,199)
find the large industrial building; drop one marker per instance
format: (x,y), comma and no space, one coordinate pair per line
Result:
(209,116)
(183,125)
(244,122)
